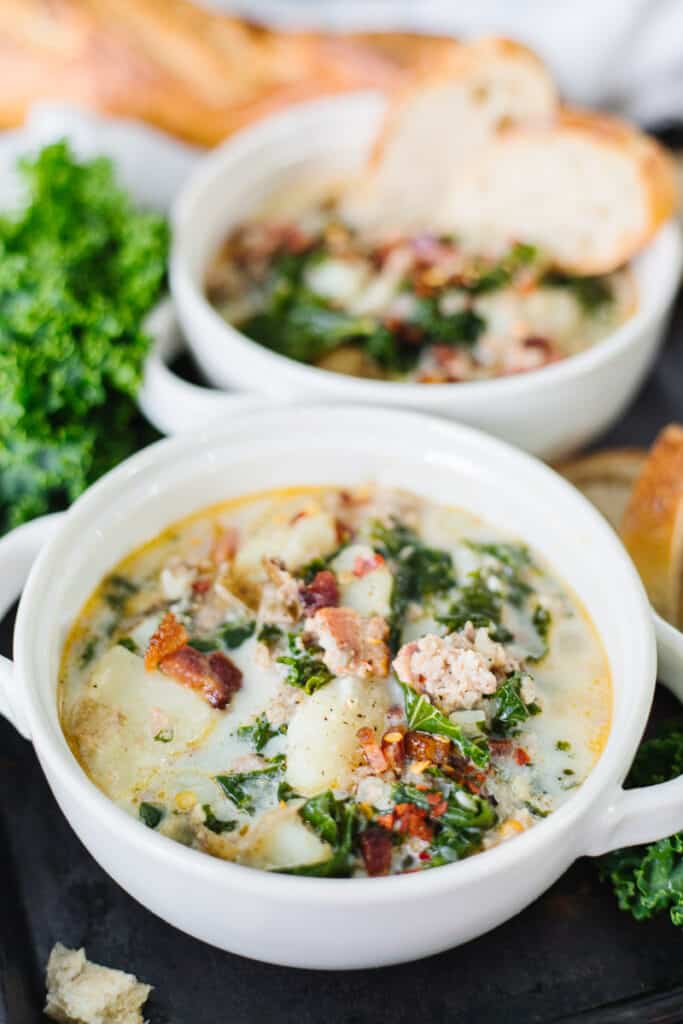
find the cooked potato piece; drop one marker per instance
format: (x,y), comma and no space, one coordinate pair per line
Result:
(323,747)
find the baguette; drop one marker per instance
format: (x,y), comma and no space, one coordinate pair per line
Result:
(437,122)
(191,72)
(652,527)
(589,190)
(606,479)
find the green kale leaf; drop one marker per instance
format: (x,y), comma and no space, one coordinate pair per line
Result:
(80,268)
(511,711)
(306,670)
(337,823)
(422,716)
(233,783)
(261,732)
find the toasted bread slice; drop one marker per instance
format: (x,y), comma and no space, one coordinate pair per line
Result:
(652,527)
(437,122)
(606,479)
(588,189)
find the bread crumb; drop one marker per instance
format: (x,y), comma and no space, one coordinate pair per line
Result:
(81,992)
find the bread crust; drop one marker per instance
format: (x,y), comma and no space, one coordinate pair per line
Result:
(652,527)
(186,70)
(606,478)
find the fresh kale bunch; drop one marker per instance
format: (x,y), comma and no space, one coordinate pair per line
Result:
(649,878)
(79,269)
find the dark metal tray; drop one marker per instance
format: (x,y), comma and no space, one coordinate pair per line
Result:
(572,956)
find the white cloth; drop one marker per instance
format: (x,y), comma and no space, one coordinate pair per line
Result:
(625,55)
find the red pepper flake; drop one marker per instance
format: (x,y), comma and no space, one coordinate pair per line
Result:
(364,565)
(411,819)
(521,756)
(425,855)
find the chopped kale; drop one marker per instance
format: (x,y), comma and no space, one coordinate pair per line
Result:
(269,634)
(592,293)
(458,830)
(128,643)
(215,824)
(500,275)
(150,814)
(234,634)
(337,822)
(286,793)
(419,571)
(306,671)
(510,563)
(511,710)
(478,604)
(309,571)
(422,716)
(261,732)
(164,736)
(233,784)
(116,591)
(563,745)
(89,651)
(461,328)
(541,620)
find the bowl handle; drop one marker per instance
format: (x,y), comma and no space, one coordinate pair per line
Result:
(650,812)
(18,551)
(172,404)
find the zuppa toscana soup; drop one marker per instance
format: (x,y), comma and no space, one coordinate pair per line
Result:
(335,682)
(426,309)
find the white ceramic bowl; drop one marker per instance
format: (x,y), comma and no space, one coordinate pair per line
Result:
(336,923)
(547,412)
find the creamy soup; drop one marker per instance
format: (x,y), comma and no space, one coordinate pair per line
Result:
(426,309)
(335,682)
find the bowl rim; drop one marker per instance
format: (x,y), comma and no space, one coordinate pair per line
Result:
(588,804)
(666,247)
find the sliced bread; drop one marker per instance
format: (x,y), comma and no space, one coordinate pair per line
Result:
(436,123)
(588,189)
(606,478)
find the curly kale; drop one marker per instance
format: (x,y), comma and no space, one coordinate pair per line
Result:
(649,878)
(79,269)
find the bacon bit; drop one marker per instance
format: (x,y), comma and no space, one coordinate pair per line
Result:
(363,565)
(386,820)
(500,747)
(225,546)
(169,636)
(352,645)
(375,848)
(342,531)
(521,756)
(215,675)
(321,592)
(411,819)
(201,586)
(393,749)
(420,746)
(439,805)
(373,753)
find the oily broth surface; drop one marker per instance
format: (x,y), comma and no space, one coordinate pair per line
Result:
(572,683)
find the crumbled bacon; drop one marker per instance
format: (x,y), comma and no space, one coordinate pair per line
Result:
(393,748)
(412,819)
(386,820)
(438,804)
(375,848)
(215,675)
(421,746)
(352,645)
(321,592)
(364,564)
(500,748)
(168,637)
(372,750)
(225,546)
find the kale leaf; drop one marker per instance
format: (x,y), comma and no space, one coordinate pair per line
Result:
(461,328)
(419,571)
(509,563)
(228,637)
(233,783)
(500,275)
(215,824)
(477,603)
(150,814)
(306,671)
(592,293)
(337,822)
(511,710)
(459,829)
(422,716)
(261,732)
(649,878)
(80,268)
